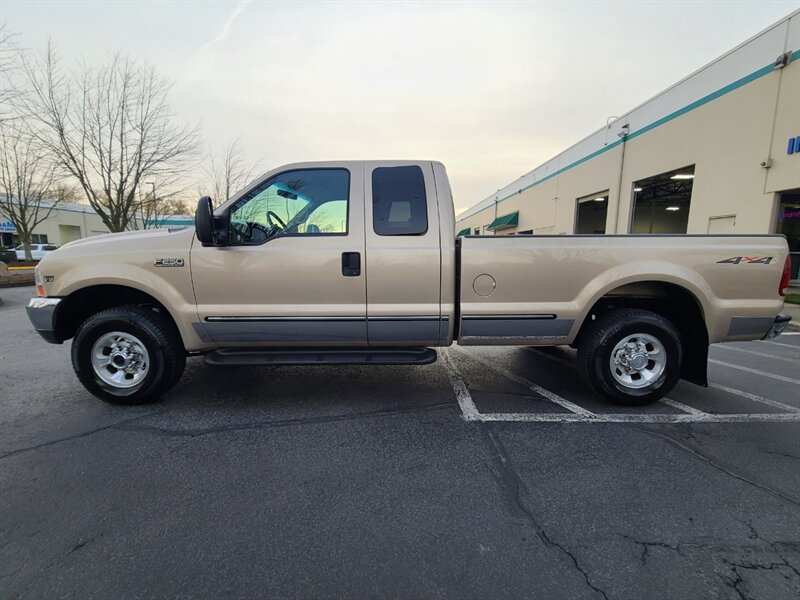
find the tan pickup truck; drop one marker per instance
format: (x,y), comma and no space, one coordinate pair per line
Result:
(356,263)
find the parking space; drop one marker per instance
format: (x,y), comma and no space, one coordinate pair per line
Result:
(491,473)
(496,390)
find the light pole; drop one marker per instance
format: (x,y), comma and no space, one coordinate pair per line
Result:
(155,207)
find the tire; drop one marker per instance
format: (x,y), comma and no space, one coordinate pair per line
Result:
(621,340)
(144,344)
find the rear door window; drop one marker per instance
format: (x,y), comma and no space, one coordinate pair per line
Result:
(399,205)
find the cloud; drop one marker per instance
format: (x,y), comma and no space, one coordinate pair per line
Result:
(226,27)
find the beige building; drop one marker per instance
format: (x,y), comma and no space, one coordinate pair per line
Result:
(67,222)
(70,221)
(718,152)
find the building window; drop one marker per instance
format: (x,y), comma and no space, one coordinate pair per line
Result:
(789,225)
(38,238)
(477,231)
(590,213)
(399,206)
(661,203)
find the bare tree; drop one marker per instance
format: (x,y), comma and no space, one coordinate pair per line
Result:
(109,128)
(153,209)
(226,174)
(65,192)
(8,88)
(26,176)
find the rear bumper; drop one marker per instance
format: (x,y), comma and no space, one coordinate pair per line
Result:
(42,313)
(778,326)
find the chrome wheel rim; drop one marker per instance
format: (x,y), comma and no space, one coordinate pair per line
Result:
(120,359)
(638,361)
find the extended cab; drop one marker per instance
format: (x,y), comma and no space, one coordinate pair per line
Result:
(356,262)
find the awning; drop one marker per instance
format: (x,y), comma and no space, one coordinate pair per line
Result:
(463,232)
(505,221)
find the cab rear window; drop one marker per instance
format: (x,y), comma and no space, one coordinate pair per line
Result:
(399,205)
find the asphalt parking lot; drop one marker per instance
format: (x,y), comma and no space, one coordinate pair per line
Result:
(491,473)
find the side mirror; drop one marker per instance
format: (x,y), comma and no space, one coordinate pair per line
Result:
(204,221)
(211,230)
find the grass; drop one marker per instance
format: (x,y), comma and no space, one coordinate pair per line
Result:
(792,298)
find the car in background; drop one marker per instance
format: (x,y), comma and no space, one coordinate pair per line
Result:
(8,255)
(38,251)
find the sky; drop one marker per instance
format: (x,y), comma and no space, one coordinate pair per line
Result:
(491,89)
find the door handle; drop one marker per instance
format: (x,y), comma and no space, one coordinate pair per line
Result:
(351,264)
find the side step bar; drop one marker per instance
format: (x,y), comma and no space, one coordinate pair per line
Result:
(320,356)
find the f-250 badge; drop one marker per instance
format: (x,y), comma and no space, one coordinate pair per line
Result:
(168,262)
(735,260)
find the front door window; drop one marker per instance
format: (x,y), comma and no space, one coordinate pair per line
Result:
(294,203)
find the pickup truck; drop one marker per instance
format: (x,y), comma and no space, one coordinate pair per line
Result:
(356,262)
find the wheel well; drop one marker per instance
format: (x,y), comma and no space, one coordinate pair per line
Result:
(672,302)
(82,304)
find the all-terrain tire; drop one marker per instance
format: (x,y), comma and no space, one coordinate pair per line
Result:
(154,336)
(632,335)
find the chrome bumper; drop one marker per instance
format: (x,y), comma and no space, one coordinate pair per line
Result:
(778,326)
(42,313)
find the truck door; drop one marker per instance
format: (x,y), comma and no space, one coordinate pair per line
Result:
(403,254)
(292,272)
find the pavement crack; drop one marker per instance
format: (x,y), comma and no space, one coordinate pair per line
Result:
(512,487)
(269,423)
(782,454)
(734,579)
(710,462)
(82,542)
(647,545)
(78,436)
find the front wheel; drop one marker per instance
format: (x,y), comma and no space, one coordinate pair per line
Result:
(128,355)
(631,356)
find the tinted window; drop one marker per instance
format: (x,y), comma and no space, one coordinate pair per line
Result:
(399,206)
(303,202)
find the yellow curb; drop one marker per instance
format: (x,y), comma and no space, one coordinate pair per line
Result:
(20,268)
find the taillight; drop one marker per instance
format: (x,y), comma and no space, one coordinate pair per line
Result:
(787,275)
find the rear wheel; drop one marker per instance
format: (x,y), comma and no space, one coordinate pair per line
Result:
(631,356)
(128,355)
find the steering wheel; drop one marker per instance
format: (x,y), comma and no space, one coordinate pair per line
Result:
(270,216)
(257,227)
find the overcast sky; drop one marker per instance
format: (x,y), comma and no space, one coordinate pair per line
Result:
(490,89)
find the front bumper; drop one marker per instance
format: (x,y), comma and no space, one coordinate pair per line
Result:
(778,326)
(42,313)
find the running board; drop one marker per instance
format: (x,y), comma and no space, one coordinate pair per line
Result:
(320,356)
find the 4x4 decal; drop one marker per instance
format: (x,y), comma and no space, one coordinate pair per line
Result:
(764,260)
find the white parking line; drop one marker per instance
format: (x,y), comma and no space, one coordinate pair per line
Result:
(555,398)
(643,418)
(468,409)
(779,344)
(684,407)
(754,371)
(793,361)
(754,397)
